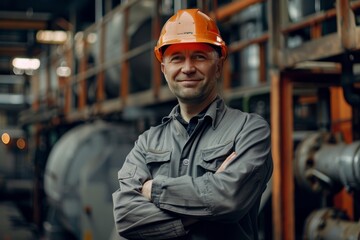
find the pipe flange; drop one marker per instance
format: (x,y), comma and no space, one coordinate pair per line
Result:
(305,163)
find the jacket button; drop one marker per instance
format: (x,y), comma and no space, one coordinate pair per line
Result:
(186,161)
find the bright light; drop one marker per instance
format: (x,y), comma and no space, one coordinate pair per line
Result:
(26,63)
(92,38)
(20,143)
(5,137)
(18,71)
(79,36)
(51,37)
(63,71)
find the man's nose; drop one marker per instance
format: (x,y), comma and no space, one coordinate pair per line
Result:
(188,66)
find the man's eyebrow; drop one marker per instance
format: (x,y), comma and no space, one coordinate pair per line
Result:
(173,53)
(195,52)
(201,51)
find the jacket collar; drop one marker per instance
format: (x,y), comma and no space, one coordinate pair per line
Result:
(215,112)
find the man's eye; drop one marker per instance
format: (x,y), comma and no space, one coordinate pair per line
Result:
(199,57)
(175,59)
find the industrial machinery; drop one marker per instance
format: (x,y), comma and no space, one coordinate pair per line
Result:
(139,34)
(80,176)
(330,224)
(298,58)
(324,163)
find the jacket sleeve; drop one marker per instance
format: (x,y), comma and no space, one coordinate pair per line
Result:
(224,196)
(135,216)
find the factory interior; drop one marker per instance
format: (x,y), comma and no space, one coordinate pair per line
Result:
(79,82)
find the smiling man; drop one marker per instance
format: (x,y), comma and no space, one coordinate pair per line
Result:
(191,70)
(201,173)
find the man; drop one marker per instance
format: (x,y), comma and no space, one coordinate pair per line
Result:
(201,173)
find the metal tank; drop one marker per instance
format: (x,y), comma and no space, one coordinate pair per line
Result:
(299,9)
(140,44)
(80,177)
(248,24)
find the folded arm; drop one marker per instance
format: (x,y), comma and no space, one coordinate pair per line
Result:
(162,207)
(226,195)
(135,216)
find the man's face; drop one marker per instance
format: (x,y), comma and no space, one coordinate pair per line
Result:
(191,71)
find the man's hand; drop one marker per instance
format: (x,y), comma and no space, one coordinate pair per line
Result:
(146,189)
(226,162)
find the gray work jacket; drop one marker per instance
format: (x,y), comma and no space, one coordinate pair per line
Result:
(185,184)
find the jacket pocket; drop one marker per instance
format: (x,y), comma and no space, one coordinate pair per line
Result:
(212,157)
(158,162)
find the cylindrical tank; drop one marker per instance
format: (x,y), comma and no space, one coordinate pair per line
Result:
(80,177)
(139,35)
(247,24)
(299,9)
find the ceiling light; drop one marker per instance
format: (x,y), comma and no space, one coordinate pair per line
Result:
(5,137)
(63,71)
(20,143)
(26,63)
(51,37)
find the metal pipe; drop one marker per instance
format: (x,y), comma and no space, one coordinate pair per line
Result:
(330,224)
(324,162)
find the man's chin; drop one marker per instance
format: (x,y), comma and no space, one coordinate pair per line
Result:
(190,99)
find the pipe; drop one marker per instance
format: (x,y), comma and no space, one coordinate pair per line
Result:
(330,224)
(324,162)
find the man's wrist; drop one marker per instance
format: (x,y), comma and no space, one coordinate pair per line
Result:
(157,188)
(146,189)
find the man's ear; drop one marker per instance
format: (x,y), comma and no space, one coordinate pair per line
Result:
(219,67)
(162,68)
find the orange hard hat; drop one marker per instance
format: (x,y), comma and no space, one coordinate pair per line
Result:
(190,26)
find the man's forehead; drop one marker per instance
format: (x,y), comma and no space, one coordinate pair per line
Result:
(203,47)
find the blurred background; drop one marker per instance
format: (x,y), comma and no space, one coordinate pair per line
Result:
(79,82)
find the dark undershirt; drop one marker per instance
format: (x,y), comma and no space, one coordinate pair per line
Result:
(190,126)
